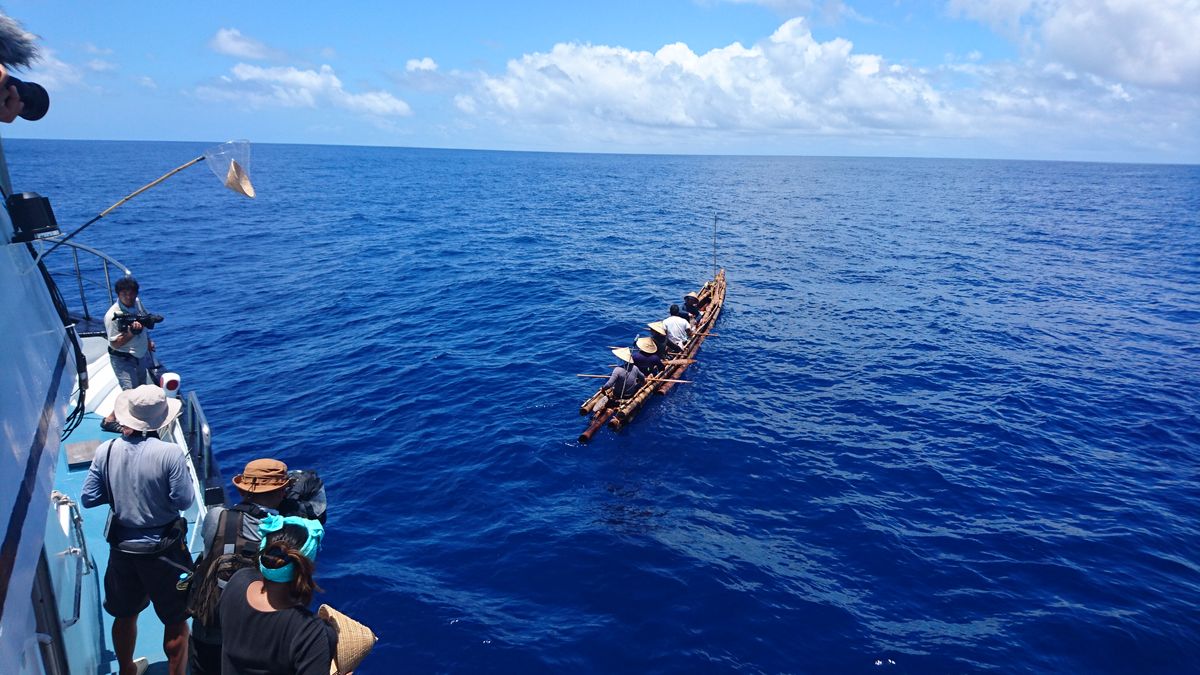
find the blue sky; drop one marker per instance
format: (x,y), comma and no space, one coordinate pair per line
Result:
(1111,80)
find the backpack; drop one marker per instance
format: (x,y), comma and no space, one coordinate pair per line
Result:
(305,496)
(230,552)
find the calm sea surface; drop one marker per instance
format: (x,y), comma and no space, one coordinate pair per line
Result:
(951,421)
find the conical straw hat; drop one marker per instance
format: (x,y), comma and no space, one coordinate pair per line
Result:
(624,354)
(237,180)
(354,640)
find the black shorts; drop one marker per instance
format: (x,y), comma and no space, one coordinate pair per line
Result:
(132,582)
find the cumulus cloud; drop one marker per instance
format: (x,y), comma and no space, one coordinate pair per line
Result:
(231,42)
(54,73)
(1147,43)
(790,89)
(789,81)
(421,65)
(291,87)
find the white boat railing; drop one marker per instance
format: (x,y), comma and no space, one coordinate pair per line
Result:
(87,285)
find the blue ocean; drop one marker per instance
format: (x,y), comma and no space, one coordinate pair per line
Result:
(950,421)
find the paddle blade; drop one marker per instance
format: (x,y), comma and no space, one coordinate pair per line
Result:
(230,163)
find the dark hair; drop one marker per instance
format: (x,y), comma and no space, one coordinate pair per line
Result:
(126,283)
(283,547)
(675,310)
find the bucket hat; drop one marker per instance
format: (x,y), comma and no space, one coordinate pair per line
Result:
(262,475)
(146,408)
(354,640)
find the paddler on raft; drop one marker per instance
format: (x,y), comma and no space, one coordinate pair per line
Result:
(658,333)
(679,329)
(626,378)
(692,308)
(646,357)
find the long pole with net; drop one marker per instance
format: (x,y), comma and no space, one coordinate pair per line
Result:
(229,162)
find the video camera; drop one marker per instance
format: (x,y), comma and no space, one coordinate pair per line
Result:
(125,321)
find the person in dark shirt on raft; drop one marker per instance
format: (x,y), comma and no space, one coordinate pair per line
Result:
(658,333)
(265,621)
(691,307)
(625,378)
(646,357)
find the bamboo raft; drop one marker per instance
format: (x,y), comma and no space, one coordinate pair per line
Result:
(618,414)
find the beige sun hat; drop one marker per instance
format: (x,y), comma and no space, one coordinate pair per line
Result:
(658,327)
(692,295)
(624,354)
(146,408)
(354,640)
(647,345)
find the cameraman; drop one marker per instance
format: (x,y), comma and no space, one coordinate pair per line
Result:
(10,100)
(129,347)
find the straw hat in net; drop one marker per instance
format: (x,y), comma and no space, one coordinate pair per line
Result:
(354,640)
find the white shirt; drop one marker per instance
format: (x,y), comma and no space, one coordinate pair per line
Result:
(678,329)
(140,344)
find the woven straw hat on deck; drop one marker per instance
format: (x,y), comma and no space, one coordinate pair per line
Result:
(354,640)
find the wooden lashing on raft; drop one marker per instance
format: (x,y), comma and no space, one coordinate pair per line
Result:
(618,414)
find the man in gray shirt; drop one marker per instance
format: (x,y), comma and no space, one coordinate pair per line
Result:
(147,482)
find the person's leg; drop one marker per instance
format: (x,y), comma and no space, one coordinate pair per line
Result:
(175,645)
(124,636)
(204,658)
(124,599)
(126,371)
(161,575)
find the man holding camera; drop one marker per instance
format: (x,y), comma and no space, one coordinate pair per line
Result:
(129,346)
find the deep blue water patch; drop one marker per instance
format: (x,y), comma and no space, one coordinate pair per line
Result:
(951,418)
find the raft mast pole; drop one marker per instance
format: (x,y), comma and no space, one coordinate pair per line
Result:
(714,246)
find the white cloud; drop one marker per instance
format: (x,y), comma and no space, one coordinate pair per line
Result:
(101,66)
(1147,43)
(147,82)
(295,88)
(231,42)
(789,90)
(788,82)
(98,51)
(424,65)
(54,73)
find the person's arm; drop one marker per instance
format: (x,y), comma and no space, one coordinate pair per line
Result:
(313,648)
(208,529)
(182,494)
(95,492)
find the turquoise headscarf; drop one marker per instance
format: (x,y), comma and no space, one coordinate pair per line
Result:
(274,523)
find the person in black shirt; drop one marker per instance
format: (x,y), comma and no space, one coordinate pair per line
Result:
(264,613)
(646,357)
(691,307)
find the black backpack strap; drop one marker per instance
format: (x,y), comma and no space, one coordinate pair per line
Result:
(230,529)
(235,539)
(112,502)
